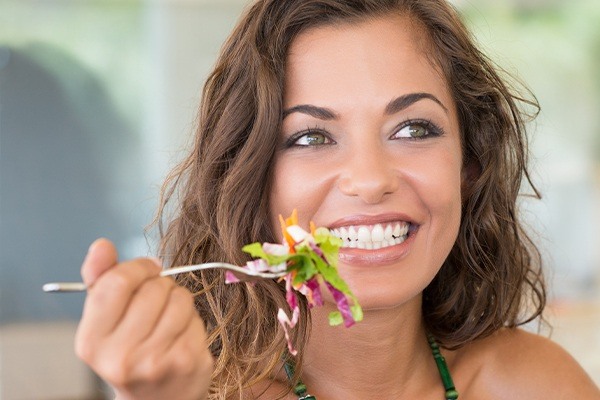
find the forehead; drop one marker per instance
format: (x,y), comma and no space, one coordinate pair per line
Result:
(382,57)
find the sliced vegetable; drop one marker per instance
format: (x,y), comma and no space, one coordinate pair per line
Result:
(310,258)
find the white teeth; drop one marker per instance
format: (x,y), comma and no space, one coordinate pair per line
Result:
(352,234)
(363,234)
(404,230)
(377,233)
(388,232)
(372,237)
(396,231)
(343,232)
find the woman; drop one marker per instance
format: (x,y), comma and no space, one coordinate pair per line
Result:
(367,116)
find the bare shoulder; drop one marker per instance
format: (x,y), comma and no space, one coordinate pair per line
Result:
(516,364)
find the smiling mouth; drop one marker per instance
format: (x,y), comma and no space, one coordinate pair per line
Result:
(373,237)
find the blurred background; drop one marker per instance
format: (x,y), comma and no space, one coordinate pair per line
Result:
(97,99)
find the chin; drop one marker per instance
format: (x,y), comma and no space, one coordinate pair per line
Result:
(384,300)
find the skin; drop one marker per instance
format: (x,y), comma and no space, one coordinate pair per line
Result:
(140,333)
(355,168)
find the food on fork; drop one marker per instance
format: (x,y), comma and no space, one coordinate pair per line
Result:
(310,258)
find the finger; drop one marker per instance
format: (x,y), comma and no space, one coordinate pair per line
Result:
(188,356)
(144,311)
(101,256)
(108,299)
(175,319)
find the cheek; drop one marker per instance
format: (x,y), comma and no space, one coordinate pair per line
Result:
(442,198)
(297,185)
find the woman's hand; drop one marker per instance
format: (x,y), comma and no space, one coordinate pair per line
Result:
(139,331)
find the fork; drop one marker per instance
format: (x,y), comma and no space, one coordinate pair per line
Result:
(80,286)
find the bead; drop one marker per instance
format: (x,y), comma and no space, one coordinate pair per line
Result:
(440,361)
(444,373)
(289,369)
(300,389)
(307,397)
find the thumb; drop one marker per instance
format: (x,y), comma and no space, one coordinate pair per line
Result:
(101,256)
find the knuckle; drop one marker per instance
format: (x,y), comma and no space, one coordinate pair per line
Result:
(167,283)
(152,369)
(119,282)
(84,351)
(84,345)
(147,268)
(146,263)
(116,371)
(186,362)
(155,285)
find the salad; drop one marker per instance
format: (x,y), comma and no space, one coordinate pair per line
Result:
(310,258)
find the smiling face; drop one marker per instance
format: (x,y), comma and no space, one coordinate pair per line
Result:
(370,148)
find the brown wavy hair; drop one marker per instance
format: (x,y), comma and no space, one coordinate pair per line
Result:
(217,199)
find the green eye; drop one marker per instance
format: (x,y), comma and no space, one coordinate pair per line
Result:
(312,139)
(412,131)
(417,129)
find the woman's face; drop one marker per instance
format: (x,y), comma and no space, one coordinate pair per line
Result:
(370,148)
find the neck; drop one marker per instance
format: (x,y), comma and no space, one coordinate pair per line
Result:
(386,354)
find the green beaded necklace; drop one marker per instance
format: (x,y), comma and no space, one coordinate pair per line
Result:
(300,389)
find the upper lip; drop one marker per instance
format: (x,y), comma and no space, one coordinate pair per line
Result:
(370,219)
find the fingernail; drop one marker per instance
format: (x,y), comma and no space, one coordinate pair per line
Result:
(93,246)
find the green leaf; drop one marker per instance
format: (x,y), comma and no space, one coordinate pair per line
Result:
(255,250)
(329,245)
(335,318)
(304,268)
(357,313)
(330,274)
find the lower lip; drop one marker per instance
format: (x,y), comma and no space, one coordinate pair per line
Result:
(384,256)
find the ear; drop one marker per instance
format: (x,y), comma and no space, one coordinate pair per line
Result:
(471,171)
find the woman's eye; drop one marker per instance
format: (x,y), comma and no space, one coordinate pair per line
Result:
(312,139)
(417,130)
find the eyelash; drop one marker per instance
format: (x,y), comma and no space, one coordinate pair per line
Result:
(292,140)
(432,129)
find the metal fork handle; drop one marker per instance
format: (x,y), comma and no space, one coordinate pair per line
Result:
(221,265)
(81,287)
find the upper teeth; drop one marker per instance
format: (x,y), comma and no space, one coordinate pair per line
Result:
(372,236)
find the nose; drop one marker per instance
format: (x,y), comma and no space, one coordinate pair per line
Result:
(369,174)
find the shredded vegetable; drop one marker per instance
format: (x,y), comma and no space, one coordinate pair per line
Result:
(310,258)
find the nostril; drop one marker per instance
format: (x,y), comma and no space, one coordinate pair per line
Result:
(369,188)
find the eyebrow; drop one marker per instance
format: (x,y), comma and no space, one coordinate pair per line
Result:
(402,102)
(396,105)
(318,112)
